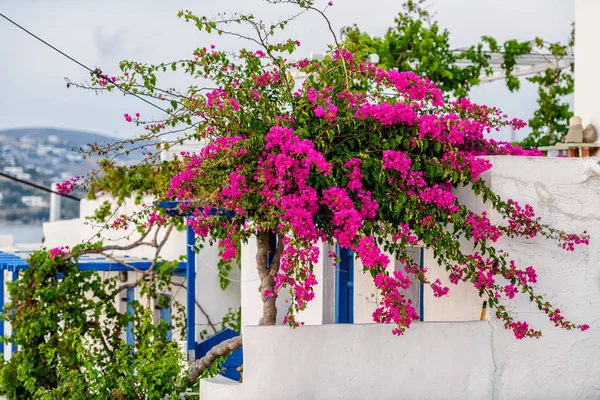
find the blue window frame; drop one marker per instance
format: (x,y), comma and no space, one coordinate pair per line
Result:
(129,298)
(344,287)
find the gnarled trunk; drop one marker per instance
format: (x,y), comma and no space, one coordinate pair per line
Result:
(267,274)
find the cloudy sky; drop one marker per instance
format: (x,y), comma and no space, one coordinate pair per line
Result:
(101,33)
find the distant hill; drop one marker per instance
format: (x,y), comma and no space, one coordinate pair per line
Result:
(69,138)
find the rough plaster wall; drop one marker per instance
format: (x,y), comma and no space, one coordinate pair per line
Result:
(587,79)
(565,193)
(471,360)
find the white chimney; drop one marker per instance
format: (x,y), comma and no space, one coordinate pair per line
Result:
(54,204)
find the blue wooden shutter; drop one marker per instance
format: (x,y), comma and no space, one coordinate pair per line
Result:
(344,287)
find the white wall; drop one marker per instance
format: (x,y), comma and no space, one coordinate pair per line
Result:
(587,60)
(459,360)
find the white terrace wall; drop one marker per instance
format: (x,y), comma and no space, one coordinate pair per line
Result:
(587,57)
(214,301)
(458,360)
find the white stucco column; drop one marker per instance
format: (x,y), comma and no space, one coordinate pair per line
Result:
(587,62)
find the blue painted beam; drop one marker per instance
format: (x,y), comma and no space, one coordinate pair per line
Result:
(93,266)
(173,208)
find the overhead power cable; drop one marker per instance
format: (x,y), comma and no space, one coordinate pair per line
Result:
(95,72)
(40,187)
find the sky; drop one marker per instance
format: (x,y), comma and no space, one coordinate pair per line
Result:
(102,33)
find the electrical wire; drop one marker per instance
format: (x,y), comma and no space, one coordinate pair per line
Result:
(40,187)
(93,72)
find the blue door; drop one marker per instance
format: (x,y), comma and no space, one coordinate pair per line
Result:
(165,313)
(344,287)
(130,297)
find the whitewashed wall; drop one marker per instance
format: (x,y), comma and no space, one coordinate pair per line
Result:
(458,360)
(587,59)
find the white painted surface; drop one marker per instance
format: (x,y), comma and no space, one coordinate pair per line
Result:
(459,360)
(587,60)
(54,204)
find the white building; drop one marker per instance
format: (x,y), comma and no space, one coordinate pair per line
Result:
(54,139)
(452,354)
(34,201)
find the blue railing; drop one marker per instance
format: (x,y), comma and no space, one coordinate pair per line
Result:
(235,359)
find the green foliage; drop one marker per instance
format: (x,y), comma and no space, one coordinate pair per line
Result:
(233,320)
(69,334)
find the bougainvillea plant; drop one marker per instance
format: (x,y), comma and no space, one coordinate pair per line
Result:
(353,154)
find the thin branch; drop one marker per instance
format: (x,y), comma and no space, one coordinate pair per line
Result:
(183,286)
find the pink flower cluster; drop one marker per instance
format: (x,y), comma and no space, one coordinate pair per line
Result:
(128,118)
(481,228)
(521,221)
(154,218)
(394,307)
(59,252)
(229,248)
(405,234)
(438,289)
(388,114)
(571,240)
(121,222)
(284,169)
(67,186)
(219,99)
(439,196)
(521,330)
(370,254)
(346,218)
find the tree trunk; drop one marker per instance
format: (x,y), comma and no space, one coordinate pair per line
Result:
(266,275)
(221,349)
